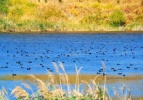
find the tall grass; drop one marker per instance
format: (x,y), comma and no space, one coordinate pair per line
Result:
(51,90)
(3,94)
(71,15)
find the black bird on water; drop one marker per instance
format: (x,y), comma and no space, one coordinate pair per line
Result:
(127,67)
(104,74)
(29,61)
(29,68)
(13,74)
(119,73)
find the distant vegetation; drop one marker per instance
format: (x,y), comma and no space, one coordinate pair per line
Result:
(71,15)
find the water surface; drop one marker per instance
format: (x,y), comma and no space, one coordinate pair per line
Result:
(34,54)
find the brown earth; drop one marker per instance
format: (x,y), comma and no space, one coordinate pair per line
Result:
(87,78)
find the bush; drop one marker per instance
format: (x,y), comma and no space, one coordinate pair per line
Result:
(6,25)
(117,18)
(3,25)
(3,6)
(43,26)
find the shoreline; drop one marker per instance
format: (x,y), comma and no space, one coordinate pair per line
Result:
(86,77)
(83,79)
(73,32)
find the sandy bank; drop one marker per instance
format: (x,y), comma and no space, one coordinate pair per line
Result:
(88,78)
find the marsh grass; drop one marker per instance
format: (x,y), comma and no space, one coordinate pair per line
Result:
(54,90)
(71,15)
(3,94)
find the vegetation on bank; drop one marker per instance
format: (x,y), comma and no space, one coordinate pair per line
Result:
(50,90)
(71,15)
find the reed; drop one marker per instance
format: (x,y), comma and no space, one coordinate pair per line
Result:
(77,78)
(52,91)
(3,94)
(20,93)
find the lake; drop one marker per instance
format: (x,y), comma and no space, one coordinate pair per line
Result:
(23,54)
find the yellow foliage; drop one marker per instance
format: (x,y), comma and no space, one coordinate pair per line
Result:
(69,13)
(45,12)
(97,5)
(18,8)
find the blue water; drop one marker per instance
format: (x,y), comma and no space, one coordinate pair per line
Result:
(34,53)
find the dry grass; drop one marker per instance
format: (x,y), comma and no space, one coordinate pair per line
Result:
(68,15)
(3,94)
(50,86)
(19,92)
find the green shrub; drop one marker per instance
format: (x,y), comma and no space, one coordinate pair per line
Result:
(3,6)
(6,25)
(43,26)
(3,25)
(117,18)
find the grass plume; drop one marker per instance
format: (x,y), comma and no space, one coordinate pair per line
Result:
(51,90)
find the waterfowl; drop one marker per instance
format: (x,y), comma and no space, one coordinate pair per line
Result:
(14,74)
(29,68)
(119,73)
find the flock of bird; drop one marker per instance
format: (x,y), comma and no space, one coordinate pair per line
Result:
(74,51)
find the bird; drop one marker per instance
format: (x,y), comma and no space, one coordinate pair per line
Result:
(29,68)
(119,73)
(112,68)
(104,74)
(29,61)
(14,74)
(119,68)
(124,75)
